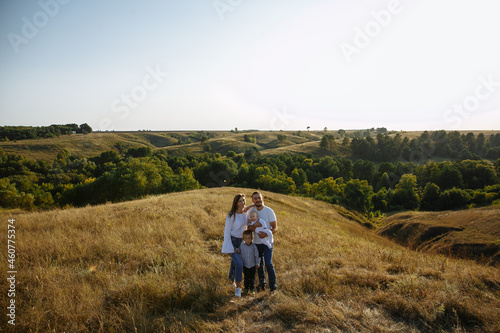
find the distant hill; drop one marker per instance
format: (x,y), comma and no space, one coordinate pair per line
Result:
(471,233)
(154,265)
(175,142)
(197,142)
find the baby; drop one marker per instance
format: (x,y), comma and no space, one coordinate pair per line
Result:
(254,218)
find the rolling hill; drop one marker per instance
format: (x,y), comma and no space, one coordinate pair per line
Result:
(155,265)
(175,143)
(471,233)
(179,143)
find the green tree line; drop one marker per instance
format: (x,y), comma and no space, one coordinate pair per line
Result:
(11,133)
(362,185)
(436,144)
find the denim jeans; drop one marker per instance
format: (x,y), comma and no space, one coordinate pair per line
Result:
(236,269)
(266,256)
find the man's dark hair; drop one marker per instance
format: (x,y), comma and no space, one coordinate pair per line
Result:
(256,192)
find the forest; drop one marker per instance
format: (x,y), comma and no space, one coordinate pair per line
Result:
(468,178)
(12,133)
(435,144)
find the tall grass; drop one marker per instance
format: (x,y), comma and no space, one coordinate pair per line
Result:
(155,265)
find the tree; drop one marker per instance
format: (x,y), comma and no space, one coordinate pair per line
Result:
(497,167)
(276,183)
(139,152)
(327,187)
(357,194)
(251,153)
(249,138)
(216,173)
(345,141)
(405,194)
(430,197)
(476,174)
(363,147)
(454,198)
(299,176)
(328,142)
(380,200)
(449,177)
(345,168)
(85,128)
(364,169)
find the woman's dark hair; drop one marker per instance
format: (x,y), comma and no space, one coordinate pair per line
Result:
(234,207)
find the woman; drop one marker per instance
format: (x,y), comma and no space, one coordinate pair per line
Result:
(236,223)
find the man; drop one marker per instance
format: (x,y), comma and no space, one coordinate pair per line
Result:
(265,253)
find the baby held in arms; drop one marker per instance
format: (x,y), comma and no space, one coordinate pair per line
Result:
(254,219)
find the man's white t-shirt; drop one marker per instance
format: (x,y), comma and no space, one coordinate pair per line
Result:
(267,214)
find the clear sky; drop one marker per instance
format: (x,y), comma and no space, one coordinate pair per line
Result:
(251,64)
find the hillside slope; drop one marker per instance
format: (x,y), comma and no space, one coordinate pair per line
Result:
(88,145)
(465,233)
(175,142)
(179,143)
(155,265)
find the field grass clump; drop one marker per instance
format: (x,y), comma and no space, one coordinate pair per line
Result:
(154,265)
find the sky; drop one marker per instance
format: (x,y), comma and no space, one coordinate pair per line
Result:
(267,65)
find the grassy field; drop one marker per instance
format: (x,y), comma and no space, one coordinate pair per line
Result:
(466,233)
(154,265)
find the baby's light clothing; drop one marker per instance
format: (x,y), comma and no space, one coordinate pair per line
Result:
(268,241)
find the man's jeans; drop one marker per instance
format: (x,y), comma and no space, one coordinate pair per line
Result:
(266,256)
(236,269)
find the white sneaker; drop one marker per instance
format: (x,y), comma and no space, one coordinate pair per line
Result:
(237,293)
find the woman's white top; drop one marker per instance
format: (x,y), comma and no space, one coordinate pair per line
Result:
(235,225)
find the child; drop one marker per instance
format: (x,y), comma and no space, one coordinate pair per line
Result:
(254,218)
(250,257)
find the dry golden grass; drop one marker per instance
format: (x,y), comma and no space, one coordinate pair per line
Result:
(266,141)
(473,233)
(155,265)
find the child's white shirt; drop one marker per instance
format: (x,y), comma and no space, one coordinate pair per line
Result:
(267,240)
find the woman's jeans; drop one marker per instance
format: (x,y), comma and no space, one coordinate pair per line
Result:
(236,269)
